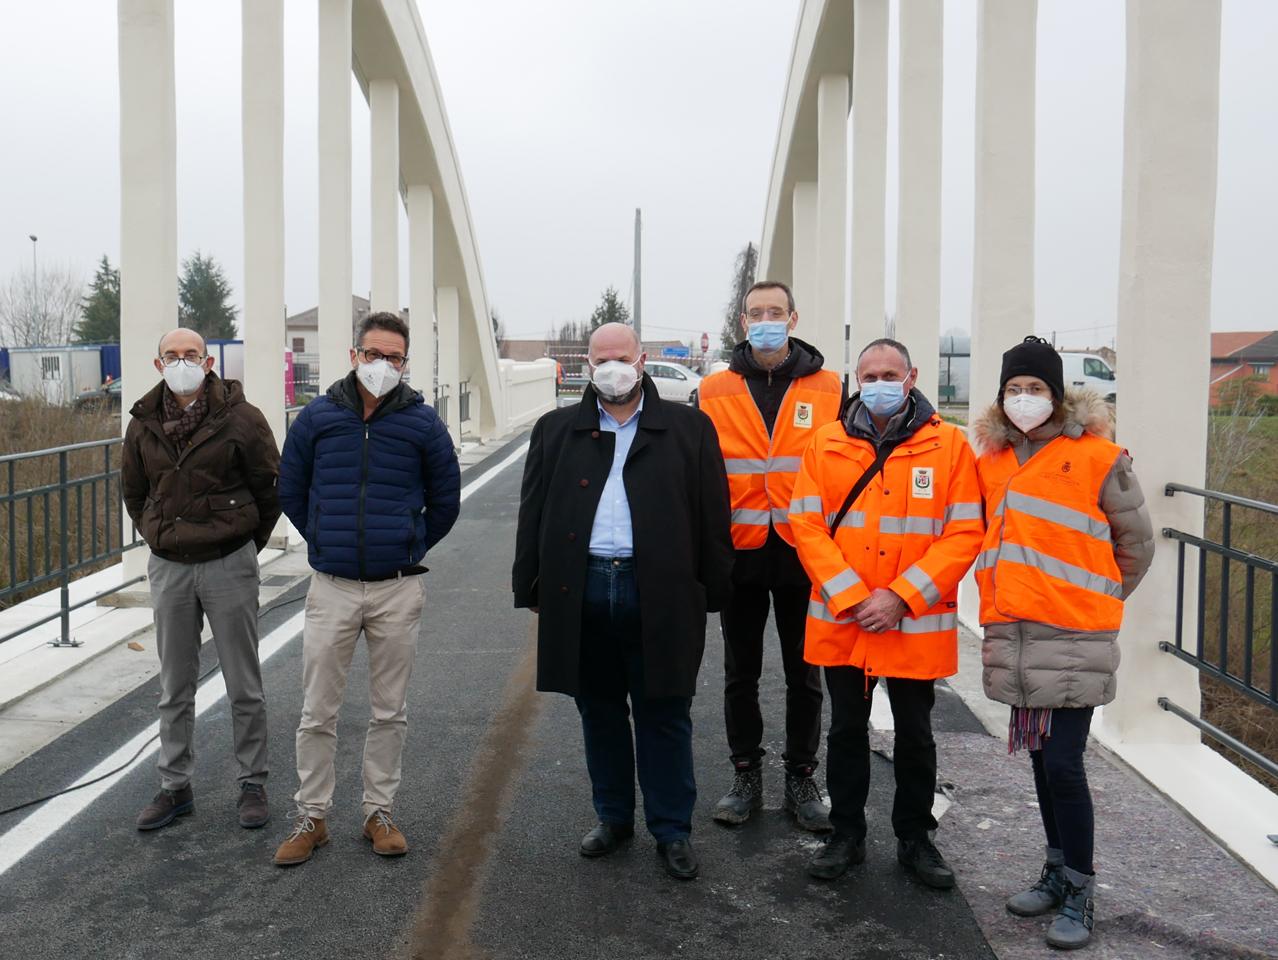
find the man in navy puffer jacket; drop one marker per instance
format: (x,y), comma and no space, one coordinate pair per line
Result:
(370,477)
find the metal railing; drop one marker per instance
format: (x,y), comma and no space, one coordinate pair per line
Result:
(57,528)
(1219,664)
(463,402)
(441,402)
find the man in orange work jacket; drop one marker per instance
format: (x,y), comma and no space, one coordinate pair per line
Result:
(885,570)
(766,406)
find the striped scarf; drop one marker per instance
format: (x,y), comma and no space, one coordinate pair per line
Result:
(1028,728)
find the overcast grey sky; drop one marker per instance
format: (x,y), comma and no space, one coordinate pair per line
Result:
(570,113)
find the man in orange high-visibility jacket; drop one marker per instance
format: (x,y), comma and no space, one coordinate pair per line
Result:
(766,406)
(884,594)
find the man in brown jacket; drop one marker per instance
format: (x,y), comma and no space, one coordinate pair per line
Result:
(198,477)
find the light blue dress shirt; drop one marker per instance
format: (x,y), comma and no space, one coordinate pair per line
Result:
(611,535)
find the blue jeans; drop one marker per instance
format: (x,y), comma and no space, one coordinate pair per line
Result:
(612,670)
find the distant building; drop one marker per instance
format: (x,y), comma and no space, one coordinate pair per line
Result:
(1249,354)
(301,330)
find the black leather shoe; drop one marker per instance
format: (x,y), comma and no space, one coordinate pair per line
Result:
(923,860)
(833,860)
(679,859)
(605,838)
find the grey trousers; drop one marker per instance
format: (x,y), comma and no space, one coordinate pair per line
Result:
(182,595)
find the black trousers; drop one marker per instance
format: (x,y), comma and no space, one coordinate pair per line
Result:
(848,752)
(1064,798)
(744,621)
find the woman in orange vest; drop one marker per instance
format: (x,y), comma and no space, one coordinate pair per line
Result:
(1067,539)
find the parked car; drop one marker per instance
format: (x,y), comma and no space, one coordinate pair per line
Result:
(673,381)
(1090,370)
(106,397)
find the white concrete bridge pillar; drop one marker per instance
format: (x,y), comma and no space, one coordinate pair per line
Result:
(828,309)
(334,189)
(262,99)
(383,102)
(1164,321)
(869,171)
(803,272)
(918,262)
(148,202)
(1003,252)
(448,311)
(421,288)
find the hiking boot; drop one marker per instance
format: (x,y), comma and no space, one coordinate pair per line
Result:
(167,806)
(745,797)
(838,853)
(1072,927)
(803,799)
(252,806)
(921,858)
(309,834)
(387,840)
(1046,895)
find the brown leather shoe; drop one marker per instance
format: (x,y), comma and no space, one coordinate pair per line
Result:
(309,833)
(252,806)
(167,806)
(387,840)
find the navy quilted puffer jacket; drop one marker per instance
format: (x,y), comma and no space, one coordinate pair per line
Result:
(369,497)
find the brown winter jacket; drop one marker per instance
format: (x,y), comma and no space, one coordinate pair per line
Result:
(218,494)
(1031,664)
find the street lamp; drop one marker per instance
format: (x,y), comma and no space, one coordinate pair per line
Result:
(35,274)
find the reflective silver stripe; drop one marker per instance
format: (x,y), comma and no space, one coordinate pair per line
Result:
(737,466)
(838,583)
(986,559)
(963,511)
(748,465)
(1075,576)
(1056,513)
(780,515)
(751,518)
(924,585)
(853,518)
(933,624)
(809,504)
(923,525)
(819,611)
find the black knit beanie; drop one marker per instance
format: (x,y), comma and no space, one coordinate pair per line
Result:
(1034,357)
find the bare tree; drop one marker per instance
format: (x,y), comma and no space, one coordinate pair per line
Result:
(35,311)
(1238,412)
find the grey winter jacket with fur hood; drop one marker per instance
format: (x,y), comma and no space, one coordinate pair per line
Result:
(1031,664)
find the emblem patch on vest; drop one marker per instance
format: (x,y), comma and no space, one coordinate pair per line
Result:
(921,482)
(803,415)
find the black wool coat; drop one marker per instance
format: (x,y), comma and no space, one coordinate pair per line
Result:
(679,512)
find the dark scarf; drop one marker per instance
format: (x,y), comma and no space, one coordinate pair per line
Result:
(180,423)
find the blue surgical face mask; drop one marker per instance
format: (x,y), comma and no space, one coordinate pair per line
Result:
(768,335)
(883,397)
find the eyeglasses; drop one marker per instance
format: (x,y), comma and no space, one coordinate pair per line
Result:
(1035,390)
(190,358)
(771,313)
(396,360)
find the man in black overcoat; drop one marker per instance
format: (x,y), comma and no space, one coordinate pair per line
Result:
(623,545)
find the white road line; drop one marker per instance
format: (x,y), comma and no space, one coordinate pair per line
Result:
(52,816)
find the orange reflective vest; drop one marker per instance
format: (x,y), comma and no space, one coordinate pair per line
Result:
(1048,556)
(915,529)
(761,468)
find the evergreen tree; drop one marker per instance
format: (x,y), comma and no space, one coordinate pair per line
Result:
(742,278)
(204,298)
(100,311)
(610,310)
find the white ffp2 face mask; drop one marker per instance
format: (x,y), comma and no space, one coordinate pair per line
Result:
(184,379)
(379,377)
(614,380)
(1027,411)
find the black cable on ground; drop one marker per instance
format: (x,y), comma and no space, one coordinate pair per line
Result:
(142,749)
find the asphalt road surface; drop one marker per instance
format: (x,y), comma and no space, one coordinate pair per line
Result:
(494,800)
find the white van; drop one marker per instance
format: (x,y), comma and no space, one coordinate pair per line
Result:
(1091,371)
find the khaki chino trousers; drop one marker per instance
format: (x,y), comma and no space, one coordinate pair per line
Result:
(388,612)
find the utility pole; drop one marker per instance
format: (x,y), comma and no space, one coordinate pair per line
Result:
(638,312)
(35,273)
